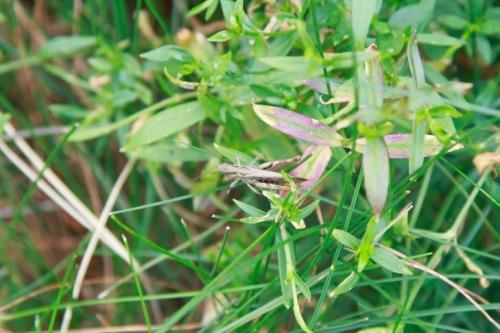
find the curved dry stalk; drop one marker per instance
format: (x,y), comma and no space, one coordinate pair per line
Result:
(60,192)
(464,291)
(89,251)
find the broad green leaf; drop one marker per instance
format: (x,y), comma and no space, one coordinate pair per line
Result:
(249,209)
(438,39)
(346,285)
(376,168)
(166,123)
(65,46)
(485,50)
(346,239)
(362,13)
(167,53)
(389,261)
(297,125)
(169,153)
(490,27)
(68,111)
(413,15)
(453,22)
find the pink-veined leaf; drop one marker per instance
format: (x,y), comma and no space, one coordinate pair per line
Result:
(312,169)
(400,145)
(297,125)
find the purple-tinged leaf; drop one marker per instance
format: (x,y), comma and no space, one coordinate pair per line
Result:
(399,145)
(376,166)
(312,169)
(297,125)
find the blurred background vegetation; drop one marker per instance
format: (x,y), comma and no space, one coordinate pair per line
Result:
(88,86)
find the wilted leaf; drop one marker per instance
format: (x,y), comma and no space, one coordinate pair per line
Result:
(297,125)
(483,161)
(166,123)
(376,167)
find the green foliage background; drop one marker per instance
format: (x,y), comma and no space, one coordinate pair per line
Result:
(397,102)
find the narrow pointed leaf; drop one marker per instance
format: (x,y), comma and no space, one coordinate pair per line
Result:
(249,209)
(346,285)
(286,287)
(303,288)
(362,13)
(346,239)
(389,261)
(166,123)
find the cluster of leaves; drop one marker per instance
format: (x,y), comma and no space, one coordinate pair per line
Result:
(341,81)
